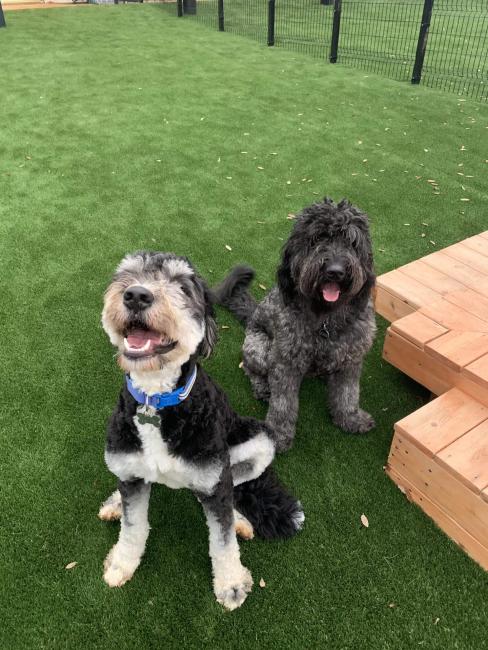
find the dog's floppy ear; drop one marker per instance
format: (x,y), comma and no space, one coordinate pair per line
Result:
(286,285)
(210,336)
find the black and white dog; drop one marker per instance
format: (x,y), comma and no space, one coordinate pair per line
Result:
(173,425)
(318,321)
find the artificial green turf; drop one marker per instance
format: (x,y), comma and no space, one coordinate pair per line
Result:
(122,128)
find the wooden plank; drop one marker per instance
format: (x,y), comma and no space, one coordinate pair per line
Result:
(469,300)
(474,548)
(461,272)
(477,243)
(411,360)
(478,371)
(484,494)
(440,422)
(484,234)
(440,486)
(458,349)
(468,256)
(418,329)
(389,306)
(408,289)
(430,277)
(430,372)
(451,318)
(467,457)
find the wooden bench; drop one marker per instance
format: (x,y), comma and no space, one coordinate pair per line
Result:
(438,309)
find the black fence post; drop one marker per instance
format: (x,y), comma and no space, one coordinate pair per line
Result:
(271,22)
(422,42)
(336,28)
(221,16)
(2,17)
(180,8)
(190,7)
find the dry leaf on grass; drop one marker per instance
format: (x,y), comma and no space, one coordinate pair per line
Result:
(262,584)
(241,365)
(290,216)
(71,565)
(224,327)
(228,247)
(364,521)
(261,286)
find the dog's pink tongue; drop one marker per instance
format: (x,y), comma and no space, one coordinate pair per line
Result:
(139,338)
(331,291)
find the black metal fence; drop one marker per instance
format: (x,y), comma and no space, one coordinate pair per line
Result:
(441,43)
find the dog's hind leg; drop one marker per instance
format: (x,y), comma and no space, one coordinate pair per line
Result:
(125,556)
(111,508)
(343,387)
(251,450)
(232,581)
(243,526)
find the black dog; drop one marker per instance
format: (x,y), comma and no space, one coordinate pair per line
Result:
(173,425)
(319,320)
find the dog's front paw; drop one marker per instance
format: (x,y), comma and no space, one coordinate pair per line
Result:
(357,422)
(232,593)
(117,570)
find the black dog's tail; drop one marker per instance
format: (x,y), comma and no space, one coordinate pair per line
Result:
(271,510)
(233,293)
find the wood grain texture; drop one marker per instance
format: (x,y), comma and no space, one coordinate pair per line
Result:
(442,421)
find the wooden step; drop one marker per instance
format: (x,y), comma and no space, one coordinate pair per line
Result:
(440,454)
(438,309)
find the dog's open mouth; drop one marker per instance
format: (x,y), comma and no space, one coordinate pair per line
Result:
(140,343)
(331,292)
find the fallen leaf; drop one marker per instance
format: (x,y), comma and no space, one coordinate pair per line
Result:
(432,242)
(229,178)
(228,247)
(288,182)
(406,224)
(290,215)
(464,199)
(436,620)
(260,167)
(71,565)
(364,521)
(261,286)
(391,605)
(262,584)
(424,223)
(241,365)
(224,327)
(259,221)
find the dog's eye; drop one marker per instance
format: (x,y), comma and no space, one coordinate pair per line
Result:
(186,291)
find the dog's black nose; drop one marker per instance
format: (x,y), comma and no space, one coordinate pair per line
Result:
(335,272)
(138,298)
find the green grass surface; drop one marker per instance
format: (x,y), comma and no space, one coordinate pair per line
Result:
(122,128)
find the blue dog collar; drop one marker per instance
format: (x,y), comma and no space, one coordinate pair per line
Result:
(162,400)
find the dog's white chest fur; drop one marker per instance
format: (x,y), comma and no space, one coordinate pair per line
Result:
(155,464)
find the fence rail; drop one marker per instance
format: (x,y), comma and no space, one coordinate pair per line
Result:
(441,43)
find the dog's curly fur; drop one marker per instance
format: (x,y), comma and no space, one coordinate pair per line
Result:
(200,443)
(296,332)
